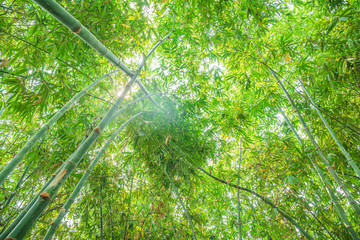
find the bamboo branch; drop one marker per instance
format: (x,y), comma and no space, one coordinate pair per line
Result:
(264,199)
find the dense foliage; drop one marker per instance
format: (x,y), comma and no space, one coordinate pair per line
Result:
(219,110)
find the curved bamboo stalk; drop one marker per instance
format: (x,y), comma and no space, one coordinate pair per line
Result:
(343,150)
(81,183)
(182,205)
(29,219)
(264,199)
(330,191)
(27,147)
(82,32)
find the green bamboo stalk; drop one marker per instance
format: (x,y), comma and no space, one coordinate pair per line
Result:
(27,208)
(239,223)
(82,32)
(182,205)
(330,191)
(27,147)
(333,173)
(8,200)
(29,219)
(111,222)
(129,206)
(81,183)
(343,150)
(264,199)
(20,216)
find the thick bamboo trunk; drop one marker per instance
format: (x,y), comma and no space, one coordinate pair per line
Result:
(82,181)
(330,191)
(27,147)
(82,32)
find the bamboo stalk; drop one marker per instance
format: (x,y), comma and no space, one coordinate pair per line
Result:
(81,183)
(334,136)
(264,199)
(333,173)
(239,223)
(330,191)
(27,208)
(27,147)
(182,205)
(129,206)
(82,32)
(29,219)
(20,216)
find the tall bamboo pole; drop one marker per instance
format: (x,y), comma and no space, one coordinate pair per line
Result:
(333,173)
(182,205)
(334,136)
(81,183)
(27,147)
(264,199)
(330,191)
(82,32)
(29,219)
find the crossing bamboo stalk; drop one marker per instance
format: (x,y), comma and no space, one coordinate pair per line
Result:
(27,147)
(64,210)
(334,136)
(63,16)
(330,191)
(29,219)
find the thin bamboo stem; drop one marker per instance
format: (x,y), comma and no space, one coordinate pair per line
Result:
(334,136)
(182,205)
(239,223)
(330,191)
(333,173)
(27,147)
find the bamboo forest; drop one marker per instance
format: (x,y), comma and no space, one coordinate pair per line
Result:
(179,119)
